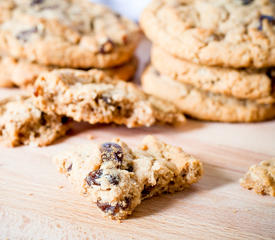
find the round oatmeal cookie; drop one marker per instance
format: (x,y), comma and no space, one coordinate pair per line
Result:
(22,73)
(66,33)
(244,84)
(204,105)
(230,33)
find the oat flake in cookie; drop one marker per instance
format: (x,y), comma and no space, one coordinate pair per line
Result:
(117,178)
(21,123)
(66,33)
(232,33)
(95,97)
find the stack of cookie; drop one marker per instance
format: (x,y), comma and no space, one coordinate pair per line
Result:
(213,59)
(39,35)
(37,38)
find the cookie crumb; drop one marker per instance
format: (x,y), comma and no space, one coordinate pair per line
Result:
(91,137)
(261,178)
(60,187)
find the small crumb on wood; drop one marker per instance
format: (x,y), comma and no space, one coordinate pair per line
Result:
(91,137)
(235,211)
(30,194)
(60,187)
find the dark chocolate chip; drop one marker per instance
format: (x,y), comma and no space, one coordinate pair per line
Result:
(24,35)
(70,167)
(246,2)
(93,176)
(43,120)
(130,168)
(270,19)
(107,46)
(64,119)
(108,208)
(113,179)
(183,173)
(118,108)
(36,2)
(126,203)
(146,191)
(111,152)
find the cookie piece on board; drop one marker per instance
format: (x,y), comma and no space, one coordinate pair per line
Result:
(23,73)
(67,33)
(245,84)
(21,123)
(204,105)
(217,33)
(94,97)
(117,177)
(261,178)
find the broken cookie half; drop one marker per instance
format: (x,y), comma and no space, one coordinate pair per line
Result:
(261,178)
(95,97)
(21,123)
(117,178)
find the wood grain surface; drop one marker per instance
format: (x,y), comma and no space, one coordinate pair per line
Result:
(36,202)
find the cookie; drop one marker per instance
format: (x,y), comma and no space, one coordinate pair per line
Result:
(261,178)
(19,73)
(67,33)
(216,33)
(205,105)
(23,73)
(117,178)
(94,97)
(244,84)
(21,123)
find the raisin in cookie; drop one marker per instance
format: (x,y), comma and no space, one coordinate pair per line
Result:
(22,123)
(23,73)
(94,97)
(261,178)
(117,177)
(244,84)
(205,105)
(66,33)
(232,33)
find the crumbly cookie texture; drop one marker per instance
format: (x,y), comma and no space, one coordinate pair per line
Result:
(245,84)
(117,178)
(23,73)
(21,123)
(204,105)
(94,97)
(66,33)
(217,33)
(261,178)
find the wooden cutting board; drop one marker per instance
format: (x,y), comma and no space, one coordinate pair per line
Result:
(36,202)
